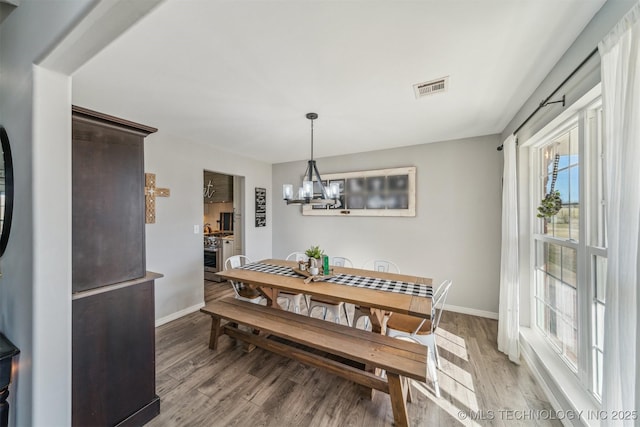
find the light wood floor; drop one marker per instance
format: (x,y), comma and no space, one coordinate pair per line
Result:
(227,387)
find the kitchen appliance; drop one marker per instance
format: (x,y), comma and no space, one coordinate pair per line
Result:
(226,221)
(216,251)
(212,258)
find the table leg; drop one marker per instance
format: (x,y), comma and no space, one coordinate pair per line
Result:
(397,393)
(271,295)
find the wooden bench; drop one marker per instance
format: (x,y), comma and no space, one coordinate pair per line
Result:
(400,359)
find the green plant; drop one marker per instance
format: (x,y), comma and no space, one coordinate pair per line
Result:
(550,205)
(314,252)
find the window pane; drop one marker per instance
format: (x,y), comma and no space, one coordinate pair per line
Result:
(541,284)
(571,343)
(540,314)
(568,304)
(573,147)
(574,202)
(554,259)
(599,325)
(600,278)
(597,366)
(554,326)
(549,226)
(541,258)
(556,297)
(569,266)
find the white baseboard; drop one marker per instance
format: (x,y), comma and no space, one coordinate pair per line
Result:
(471,311)
(178,314)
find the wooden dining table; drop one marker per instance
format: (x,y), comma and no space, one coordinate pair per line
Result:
(374,303)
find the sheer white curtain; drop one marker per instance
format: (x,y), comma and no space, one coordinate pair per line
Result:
(620,53)
(509,312)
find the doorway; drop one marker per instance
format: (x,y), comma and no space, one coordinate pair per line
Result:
(223,225)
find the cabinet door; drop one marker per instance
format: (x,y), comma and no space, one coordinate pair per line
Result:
(223,185)
(227,249)
(114,357)
(108,206)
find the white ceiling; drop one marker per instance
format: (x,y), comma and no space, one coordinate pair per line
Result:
(241,75)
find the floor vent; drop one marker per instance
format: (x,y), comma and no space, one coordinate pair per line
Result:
(432,87)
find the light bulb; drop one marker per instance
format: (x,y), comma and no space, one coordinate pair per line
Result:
(334,190)
(308,188)
(287,191)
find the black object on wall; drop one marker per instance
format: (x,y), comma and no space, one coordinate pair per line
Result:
(7,352)
(261,207)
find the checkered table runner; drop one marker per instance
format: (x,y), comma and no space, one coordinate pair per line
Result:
(377,284)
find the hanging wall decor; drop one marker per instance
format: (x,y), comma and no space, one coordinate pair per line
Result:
(552,203)
(261,207)
(382,192)
(150,194)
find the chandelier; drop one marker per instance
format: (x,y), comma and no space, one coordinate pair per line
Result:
(306,195)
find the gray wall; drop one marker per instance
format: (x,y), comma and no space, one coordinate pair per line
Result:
(25,36)
(172,248)
(589,75)
(454,235)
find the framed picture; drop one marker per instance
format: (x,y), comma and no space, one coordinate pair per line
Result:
(382,192)
(261,207)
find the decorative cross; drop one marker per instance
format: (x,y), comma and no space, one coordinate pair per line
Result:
(150,194)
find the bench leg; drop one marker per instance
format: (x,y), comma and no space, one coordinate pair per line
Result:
(248,348)
(215,333)
(397,393)
(377,319)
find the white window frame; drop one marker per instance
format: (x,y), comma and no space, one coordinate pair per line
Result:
(585,280)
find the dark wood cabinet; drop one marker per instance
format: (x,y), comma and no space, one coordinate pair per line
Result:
(113,309)
(114,356)
(222,186)
(107,202)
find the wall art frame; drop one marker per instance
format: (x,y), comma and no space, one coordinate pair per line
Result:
(261,207)
(381,192)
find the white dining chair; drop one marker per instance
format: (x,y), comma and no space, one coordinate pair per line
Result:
(423,331)
(339,261)
(381,265)
(329,306)
(295,299)
(242,291)
(375,265)
(297,256)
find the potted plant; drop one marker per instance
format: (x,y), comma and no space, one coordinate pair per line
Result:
(314,253)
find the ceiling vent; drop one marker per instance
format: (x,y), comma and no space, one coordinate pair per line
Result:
(431,87)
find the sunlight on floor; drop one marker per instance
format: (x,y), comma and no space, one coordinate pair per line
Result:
(452,343)
(456,384)
(445,405)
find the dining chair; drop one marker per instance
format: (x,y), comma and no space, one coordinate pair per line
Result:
(375,265)
(242,291)
(381,265)
(297,256)
(295,298)
(339,261)
(423,331)
(329,306)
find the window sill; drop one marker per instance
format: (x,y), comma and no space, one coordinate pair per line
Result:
(562,387)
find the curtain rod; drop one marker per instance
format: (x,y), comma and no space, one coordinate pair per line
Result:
(546,101)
